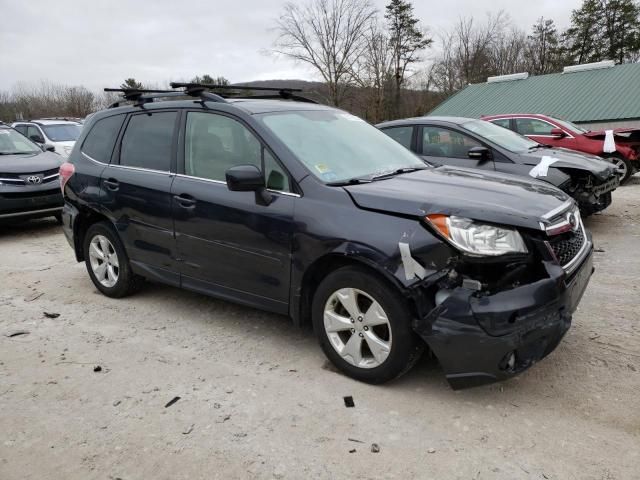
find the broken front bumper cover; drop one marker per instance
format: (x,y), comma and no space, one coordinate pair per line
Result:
(483,339)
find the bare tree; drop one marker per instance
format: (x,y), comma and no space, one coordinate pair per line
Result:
(328,35)
(373,72)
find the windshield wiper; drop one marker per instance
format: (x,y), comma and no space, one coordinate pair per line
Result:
(16,153)
(540,145)
(350,181)
(398,171)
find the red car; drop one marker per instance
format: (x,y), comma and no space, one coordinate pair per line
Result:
(561,133)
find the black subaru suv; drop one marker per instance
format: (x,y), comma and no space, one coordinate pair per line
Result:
(29,186)
(472,143)
(308,211)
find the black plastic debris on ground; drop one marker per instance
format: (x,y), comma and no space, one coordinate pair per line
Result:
(17,333)
(375,448)
(348,402)
(51,314)
(171,402)
(97,368)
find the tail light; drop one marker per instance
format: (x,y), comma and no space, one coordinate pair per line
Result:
(66,171)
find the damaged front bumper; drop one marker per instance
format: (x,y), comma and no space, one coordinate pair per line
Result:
(480,339)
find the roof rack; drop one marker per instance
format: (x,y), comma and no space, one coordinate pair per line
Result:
(140,96)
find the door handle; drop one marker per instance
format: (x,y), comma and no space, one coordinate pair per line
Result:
(185,201)
(111,184)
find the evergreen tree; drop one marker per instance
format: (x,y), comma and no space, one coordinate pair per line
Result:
(604,29)
(132,84)
(406,39)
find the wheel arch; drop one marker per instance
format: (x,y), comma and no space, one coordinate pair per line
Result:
(323,266)
(80,226)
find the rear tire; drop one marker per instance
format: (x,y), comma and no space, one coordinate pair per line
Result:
(624,166)
(364,326)
(107,262)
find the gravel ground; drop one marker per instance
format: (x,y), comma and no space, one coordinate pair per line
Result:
(258,399)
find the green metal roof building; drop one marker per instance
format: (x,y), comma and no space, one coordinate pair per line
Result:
(597,95)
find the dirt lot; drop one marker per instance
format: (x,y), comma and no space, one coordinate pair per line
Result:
(257,398)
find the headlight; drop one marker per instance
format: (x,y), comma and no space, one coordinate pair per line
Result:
(477,238)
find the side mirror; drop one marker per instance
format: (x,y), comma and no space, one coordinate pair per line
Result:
(248,178)
(479,153)
(36,138)
(558,133)
(48,148)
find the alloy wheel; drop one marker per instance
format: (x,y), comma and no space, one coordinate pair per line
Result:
(104,261)
(357,328)
(621,166)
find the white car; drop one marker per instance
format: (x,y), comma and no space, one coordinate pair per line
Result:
(60,133)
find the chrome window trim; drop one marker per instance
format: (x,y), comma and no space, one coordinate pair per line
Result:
(140,169)
(93,159)
(220,182)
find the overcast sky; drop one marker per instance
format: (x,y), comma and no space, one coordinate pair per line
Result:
(98,43)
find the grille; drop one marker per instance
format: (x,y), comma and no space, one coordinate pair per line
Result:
(18,179)
(568,246)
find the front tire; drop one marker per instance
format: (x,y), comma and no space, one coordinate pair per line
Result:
(107,262)
(364,326)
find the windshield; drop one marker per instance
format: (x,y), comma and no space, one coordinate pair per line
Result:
(64,132)
(12,142)
(501,136)
(336,146)
(571,126)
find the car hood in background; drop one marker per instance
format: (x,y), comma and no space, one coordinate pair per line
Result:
(489,197)
(32,163)
(571,159)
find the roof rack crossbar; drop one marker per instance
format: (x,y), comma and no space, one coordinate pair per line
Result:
(212,86)
(135,93)
(143,98)
(199,88)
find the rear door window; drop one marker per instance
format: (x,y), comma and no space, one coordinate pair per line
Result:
(148,141)
(502,122)
(22,129)
(100,141)
(402,135)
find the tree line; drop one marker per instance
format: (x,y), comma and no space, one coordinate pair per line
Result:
(350,45)
(386,65)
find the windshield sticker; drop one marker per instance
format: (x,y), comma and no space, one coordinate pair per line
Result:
(542,169)
(322,168)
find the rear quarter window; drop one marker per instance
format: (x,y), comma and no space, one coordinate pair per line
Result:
(101,139)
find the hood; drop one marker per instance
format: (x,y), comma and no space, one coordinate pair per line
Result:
(625,133)
(490,197)
(33,163)
(571,159)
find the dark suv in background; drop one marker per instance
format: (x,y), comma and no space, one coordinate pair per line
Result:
(308,211)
